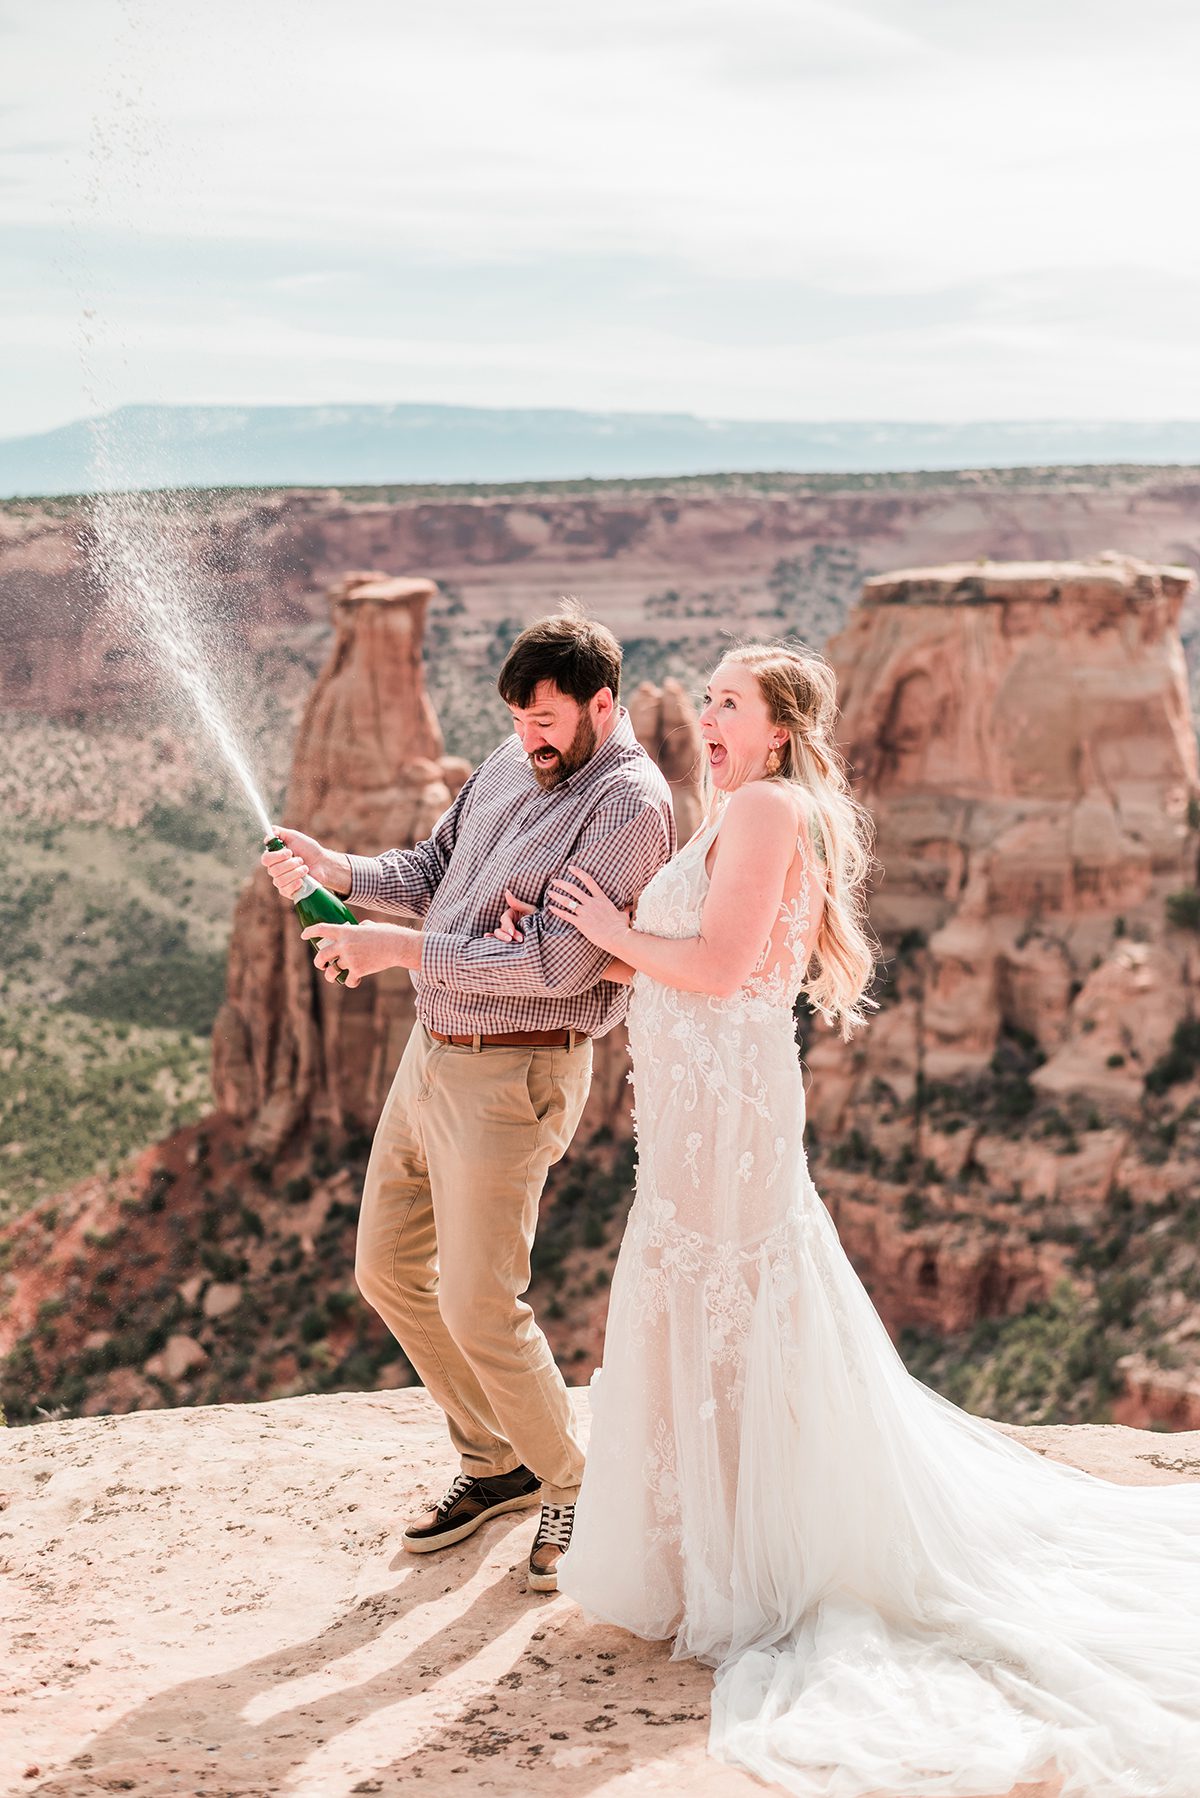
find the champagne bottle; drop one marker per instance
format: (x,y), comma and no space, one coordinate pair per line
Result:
(315,904)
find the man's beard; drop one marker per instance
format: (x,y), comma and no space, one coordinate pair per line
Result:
(570,760)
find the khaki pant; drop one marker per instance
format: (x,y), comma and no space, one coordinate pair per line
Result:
(449,1211)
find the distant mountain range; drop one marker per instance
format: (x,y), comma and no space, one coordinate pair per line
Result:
(336,446)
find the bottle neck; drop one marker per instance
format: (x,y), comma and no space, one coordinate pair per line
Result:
(308,885)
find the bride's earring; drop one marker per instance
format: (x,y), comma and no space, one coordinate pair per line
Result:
(772,760)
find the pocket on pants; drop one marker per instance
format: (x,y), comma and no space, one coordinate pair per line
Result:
(556,1086)
(543,1088)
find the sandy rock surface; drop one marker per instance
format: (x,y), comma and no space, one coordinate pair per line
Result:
(214,1601)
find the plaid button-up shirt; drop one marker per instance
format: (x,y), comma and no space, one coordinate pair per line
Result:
(612,816)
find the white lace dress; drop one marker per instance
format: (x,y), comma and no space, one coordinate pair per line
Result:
(896,1597)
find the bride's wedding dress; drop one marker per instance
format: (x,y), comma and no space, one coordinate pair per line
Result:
(896,1597)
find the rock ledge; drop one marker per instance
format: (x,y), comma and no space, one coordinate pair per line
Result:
(213,1601)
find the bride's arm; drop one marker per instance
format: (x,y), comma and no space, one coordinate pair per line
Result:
(756,842)
(620,971)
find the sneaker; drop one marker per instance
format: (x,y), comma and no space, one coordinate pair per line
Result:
(467,1504)
(549,1545)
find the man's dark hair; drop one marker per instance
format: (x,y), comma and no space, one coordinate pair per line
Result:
(577,654)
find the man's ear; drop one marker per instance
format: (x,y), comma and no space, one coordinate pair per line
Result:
(604,702)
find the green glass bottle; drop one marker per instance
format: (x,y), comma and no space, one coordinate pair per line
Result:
(315,904)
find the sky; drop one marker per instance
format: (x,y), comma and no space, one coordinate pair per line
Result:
(892,209)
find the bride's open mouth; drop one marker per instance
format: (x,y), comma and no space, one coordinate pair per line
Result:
(717,755)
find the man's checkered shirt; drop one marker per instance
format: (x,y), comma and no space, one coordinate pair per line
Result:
(612,817)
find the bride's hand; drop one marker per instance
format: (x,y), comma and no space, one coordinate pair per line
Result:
(579,901)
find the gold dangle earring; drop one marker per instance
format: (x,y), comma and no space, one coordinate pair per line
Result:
(773,763)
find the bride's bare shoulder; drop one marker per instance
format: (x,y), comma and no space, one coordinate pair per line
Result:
(763,805)
(761,819)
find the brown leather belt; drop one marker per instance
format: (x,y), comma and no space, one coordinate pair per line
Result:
(515,1039)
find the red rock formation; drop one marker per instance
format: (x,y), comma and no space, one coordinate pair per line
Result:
(1023,736)
(1024,739)
(368,773)
(269,561)
(666,724)
(1156,1398)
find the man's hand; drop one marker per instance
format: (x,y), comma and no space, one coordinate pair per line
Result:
(304,855)
(363,949)
(508,930)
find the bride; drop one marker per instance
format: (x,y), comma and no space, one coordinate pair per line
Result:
(895,1596)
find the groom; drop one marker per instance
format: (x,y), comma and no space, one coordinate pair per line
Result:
(495,1075)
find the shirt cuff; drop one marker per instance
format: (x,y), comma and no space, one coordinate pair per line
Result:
(439,952)
(365,879)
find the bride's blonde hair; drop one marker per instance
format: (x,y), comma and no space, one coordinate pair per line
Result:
(800,691)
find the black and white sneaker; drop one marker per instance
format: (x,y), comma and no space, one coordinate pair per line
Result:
(468,1503)
(549,1545)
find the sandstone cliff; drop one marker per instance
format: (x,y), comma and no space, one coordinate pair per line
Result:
(1021,1119)
(1023,736)
(213,1601)
(673,568)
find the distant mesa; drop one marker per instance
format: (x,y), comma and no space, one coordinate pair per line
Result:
(371,445)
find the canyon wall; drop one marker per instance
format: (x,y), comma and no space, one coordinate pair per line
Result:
(1023,738)
(668,563)
(674,568)
(1022,1115)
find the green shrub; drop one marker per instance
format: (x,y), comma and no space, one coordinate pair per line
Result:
(1180,1061)
(593,1231)
(182,991)
(1183,908)
(314,1324)
(913,1210)
(181,827)
(1054,1363)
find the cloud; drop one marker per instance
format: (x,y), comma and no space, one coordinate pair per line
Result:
(806,184)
